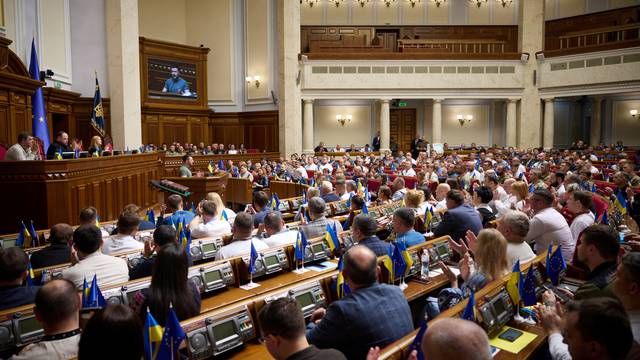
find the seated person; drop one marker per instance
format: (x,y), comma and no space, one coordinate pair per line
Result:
(580,204)
(626,287)
(327,193)
(548,226)
(514,226)
(116,325)
(89,215)
(413,200)
(220,207)
(459,218)
(176,206)
(164,234)
(403,223)
(398,189)
(13,273)
(57,252)
(356,205)
(242,238)
(595,328)
(144,224)
(125,239)
(58,310)
(598,248)
(25,149)
(276,233)
(206,223)
(481,198)
(342,325)
(364,230)
(169,286)
(87,259)
(61,145)
(259,207)
(318,225)
(283,331)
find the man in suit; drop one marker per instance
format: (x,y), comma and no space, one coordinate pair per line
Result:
(58,252)
(60,145)
(376,142)
(373,314)
(327,193)
(459,218)
(13,273)
(364,233)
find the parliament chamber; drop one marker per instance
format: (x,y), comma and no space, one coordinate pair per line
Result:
(320,179)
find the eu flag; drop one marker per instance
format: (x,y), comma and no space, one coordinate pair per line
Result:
(97,114)
(94,298)
(528,288)
(469,310)
(39,115)
(171,338)
(399,264)
(252,259)
(555,265)
(221,165)
(417,341)
(365,210)
(301,245)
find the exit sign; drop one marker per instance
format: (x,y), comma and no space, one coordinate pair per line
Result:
(402,104)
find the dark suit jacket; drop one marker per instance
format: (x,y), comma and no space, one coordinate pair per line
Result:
(376,143)
(55,148)
(455,222)
(374,316)
(51,255)
(330,197)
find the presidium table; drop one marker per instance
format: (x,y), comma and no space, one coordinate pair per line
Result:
(54,191)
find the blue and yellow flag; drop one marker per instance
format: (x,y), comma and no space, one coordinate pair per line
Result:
(365,209)
(417,341)
(23,234)
(528,288)
(150,216)
(603,219)
(85,292)
(388,262)
(171,337)
(621,202)
(221,165)
(360,187)
(332,238)
(92,298)
(152,333)
(30,276)
(98,221)
(555,265)
(252,259)
(399,264)
(39,115)
(342,288)
(408,260)
(469,312)
(301,245)
(210,166)
(531,188)
(513,285)
(224,215)
(428,216)
(97,113)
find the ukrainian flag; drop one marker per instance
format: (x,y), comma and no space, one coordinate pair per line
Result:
(152,336)
(408,260)
(513,285)
(97,221)
(30,276)
(332,238)
(85,293)
(22,236)
(621,203)
(342,288)
(388,263)
(360,187)
(150,216)
(210,166)
(428,216)
(224,215)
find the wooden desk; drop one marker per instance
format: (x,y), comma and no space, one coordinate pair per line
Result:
(223,298)
(172,163)
(54,191)
(238,191)
(287,279)
(201,186)
(286,189)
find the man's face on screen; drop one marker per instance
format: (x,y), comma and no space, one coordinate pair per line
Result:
(174,73)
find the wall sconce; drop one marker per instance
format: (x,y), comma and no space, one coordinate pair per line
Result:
(363,2)
(255,79)
(343,119)
(337,2)
(461,118)
(633,113)
(504,2)
(310,2)
(413,2)
(388,2)
(478,2)
(438,2)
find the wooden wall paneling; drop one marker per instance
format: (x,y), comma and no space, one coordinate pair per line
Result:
(81,119)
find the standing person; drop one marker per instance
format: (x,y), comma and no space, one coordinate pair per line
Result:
(185,169)
(376,141)
(25,149)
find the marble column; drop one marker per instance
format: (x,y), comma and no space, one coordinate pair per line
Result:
(307,127)
(511,138)
(123,63)
(596,120)
(436,124)
(384,125)
(547,141)
(289,96)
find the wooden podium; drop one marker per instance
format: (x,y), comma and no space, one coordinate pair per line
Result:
(199,187)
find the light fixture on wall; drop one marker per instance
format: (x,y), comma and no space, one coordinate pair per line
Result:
(343,119)
(363,2)
(253,79)
(505,2)
(388,2)
(461,118)
(478,2)
(438,2)
(413,2)
(310,2)
(337,2)
(633,113)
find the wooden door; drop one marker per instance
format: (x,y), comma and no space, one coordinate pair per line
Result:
(403,127)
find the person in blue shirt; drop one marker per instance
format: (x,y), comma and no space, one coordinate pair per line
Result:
(403,222)
(14,268)
(175,205)
(175,84)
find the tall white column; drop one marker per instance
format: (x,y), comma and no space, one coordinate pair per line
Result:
(596,121)
(436,125)
(307,127)
(384,125)
(511,122)
(123,62)
(547,141)
(290,106)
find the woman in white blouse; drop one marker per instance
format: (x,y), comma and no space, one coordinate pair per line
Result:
(580,204)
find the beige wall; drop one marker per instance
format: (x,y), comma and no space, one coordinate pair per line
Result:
(499,115)
(55,39)
(476,131)
(555,9)
(625,127)
(163,20)
(257,49)
(327,129)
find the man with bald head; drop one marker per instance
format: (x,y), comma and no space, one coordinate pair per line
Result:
(454,338)
(372,314)
(441,196)
(57,252)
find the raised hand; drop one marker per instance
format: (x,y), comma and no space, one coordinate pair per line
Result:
(461,248)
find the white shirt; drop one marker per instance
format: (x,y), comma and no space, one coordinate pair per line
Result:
(558,349)
(521,251)
(398,195)
(18,153)
(634,319)
(283,238)
(326,166)
(61,349)
(302,171)
(215,227)
(502,194)
(548,227)
(504,207)
(108,269)
(441,205)
(560,190)
(232,152)
(311,167)
(346,195)
(120,243)
(240,247)
(408,172)
(578,224)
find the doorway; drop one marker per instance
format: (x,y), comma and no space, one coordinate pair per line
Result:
(402,127)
